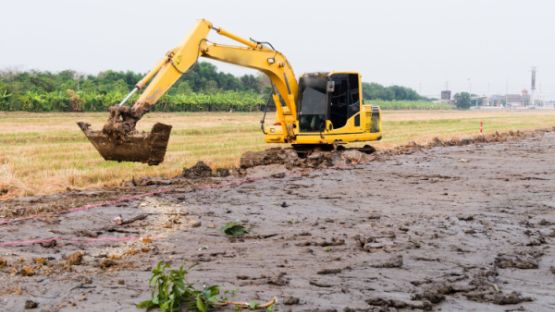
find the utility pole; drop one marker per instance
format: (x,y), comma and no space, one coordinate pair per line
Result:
(533,86)
(506,93)
(469,86)
(470,91)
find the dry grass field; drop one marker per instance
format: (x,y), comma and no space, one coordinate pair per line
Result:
(42,153)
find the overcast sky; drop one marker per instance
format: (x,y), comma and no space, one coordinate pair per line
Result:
(488,46)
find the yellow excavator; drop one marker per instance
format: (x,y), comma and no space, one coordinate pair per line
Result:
(321,109)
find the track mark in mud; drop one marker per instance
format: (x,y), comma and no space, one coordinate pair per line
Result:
(329,271)
(393,262)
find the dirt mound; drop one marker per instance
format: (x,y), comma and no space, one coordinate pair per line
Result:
(323,159)
(270,156)
(496,137)
(199,170)
(314,159)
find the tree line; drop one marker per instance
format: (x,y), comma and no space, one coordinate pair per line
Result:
(202,88)
(375,91)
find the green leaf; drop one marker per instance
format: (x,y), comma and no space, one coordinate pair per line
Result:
(234,229)
(147,304)
(201,306)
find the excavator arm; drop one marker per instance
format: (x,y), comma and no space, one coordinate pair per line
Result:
(119,140)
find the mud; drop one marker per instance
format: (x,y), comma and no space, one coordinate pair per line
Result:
(454,225)
(145,147)
(199,170)
(315,159)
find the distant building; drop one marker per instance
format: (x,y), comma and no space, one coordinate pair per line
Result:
(517,100)
(446,95)
(549,104)
(496,100)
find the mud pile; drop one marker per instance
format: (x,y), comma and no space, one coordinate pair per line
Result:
(324,159)
(134,146)
(315,159)
(496,137)
(199,170)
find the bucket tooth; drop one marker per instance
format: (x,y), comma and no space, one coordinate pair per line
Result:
(142,147)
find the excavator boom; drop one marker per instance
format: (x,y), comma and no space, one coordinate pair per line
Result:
(119,140)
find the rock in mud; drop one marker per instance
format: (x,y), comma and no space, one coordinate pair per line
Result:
(27,270)
(497,297)
(49,244)
(106,263)
(329,271)
(279,175)
(393,262)
(30,304)
(319,159)
(386,304)
(329,243)
(199,170)
(321,284)
(435,293)
(75,258)
(510,298)
(465,217)
(154,181)
(354,157)
(516,261)
(290,300)
(280,279)
(270,156)
(222,172)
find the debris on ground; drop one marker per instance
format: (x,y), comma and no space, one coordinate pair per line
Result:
(30,304)
(222,172)
(199,170)
(393,262)
(75,258)
(28,270)
(234,229)
(276,155)
(525,262)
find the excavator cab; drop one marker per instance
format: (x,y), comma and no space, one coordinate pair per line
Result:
(331,110)
(327,101)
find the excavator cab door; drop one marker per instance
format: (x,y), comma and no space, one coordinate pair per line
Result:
(313,102)
(344,99)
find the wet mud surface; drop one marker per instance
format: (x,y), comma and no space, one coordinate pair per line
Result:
(451,228)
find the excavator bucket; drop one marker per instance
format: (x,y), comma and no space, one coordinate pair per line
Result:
(142,147)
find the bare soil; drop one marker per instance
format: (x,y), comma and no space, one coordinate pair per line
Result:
(455,225)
